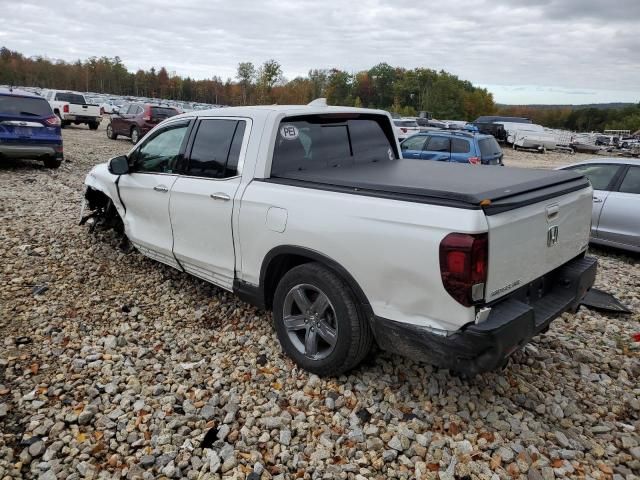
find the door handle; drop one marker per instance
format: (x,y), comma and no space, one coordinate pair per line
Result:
(161,188)
(220,196)
(597,200)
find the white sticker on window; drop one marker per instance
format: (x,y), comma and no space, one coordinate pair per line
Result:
(289,132)
(391,155)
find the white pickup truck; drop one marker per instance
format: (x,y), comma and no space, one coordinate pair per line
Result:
(72,107)
(309,211)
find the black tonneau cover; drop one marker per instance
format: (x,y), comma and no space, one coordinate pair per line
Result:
(450,184)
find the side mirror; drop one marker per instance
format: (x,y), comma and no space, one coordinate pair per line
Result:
(119,165)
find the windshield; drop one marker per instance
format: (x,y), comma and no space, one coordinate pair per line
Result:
(13,105)
(75,98)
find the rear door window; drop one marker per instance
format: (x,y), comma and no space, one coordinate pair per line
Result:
(24,106)
(438,144)
(631,182)
(460,145)
(600,175)
(216,149)
(325,141)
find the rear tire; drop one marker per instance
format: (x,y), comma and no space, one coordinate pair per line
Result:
(135,135)
(94,125)
(326,332)
(110,133)
(52,162)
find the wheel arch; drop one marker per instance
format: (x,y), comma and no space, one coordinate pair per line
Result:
(283,258)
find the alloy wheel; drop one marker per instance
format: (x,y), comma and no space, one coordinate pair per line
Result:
(310,321)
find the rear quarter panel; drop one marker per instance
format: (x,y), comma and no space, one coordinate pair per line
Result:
(390,247)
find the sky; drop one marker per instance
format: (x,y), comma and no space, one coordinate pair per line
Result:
(524,51)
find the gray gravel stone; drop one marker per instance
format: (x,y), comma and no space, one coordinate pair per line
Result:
(153,359)
(37,448)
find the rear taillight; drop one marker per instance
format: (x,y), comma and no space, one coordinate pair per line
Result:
(475,160)
(147,114)
(463,266)
(52,121)
(404,130)
(65,108)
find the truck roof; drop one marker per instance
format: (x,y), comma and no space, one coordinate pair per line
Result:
(288,110)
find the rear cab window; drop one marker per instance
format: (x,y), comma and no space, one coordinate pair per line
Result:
(24,106)
(331,141)
(74,98)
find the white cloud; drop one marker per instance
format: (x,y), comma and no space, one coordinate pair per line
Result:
(574,44)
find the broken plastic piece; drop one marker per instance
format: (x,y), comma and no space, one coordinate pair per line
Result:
(599,300)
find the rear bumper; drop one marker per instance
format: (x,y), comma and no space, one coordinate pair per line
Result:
(511,323)
(82,118)
(30,151)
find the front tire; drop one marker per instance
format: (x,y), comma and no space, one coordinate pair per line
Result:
(135,135)
(318,321)
(110,133)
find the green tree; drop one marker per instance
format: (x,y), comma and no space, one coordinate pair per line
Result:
(246,75)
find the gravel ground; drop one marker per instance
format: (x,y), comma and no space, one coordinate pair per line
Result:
(115,366)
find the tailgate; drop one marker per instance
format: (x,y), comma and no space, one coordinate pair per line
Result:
(527,242)
(84,110)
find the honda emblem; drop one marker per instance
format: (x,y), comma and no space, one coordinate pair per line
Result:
(552,236)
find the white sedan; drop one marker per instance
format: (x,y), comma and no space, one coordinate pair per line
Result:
(615,219)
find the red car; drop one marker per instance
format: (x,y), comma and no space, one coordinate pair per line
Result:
(134,120)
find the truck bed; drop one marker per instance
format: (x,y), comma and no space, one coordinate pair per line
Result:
(498,189)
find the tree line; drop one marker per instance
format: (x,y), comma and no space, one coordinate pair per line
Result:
(405,91)
(400,90)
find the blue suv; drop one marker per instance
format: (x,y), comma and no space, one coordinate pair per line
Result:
(28,128)
(459,147)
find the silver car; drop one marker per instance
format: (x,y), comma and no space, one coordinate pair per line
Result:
(615,220)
